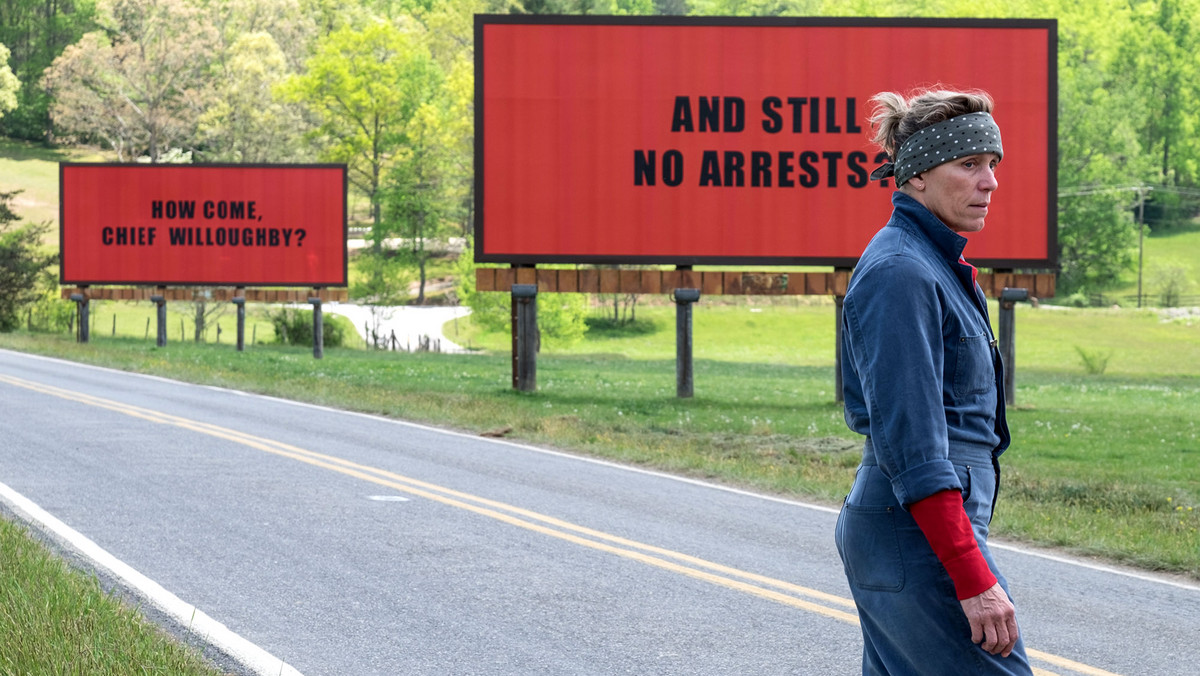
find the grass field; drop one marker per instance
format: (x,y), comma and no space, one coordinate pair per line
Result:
(134,319)
(33,169)
(801,333)
(1179,248)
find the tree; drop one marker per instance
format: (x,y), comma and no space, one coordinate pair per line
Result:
(290,24)
(24,263)
(37,31)
(332,15)
(1169,282)
(1100,157)
(421,187)
(449,27)
(767,8)
(245,122)
(359,84)
(9,84)
(618,7)
(1096,239)
(204,314)
(138,85)
(260,43)
(1158,59)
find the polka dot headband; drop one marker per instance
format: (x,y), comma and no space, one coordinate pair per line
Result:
(939,143)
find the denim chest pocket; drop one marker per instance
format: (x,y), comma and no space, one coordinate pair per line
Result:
(973,370)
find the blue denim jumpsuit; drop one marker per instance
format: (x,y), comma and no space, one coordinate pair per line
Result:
(922,378)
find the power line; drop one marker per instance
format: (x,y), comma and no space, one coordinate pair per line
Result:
(1076,191)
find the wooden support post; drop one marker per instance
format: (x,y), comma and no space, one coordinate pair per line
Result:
(318,328)
(839,281)
(512,323)
(239,299)
(525,337)
(81,305)
(838,302)
(684,373)
(160,303)
(1008,340)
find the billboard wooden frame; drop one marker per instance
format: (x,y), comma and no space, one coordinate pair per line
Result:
(1046,261)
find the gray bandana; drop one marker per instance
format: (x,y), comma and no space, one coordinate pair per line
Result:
(940,143)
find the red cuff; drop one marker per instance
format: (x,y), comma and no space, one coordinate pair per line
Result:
(944,522)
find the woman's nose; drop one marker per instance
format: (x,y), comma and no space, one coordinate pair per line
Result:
(988,181)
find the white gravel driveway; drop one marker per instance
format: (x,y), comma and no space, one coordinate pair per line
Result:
(410,323)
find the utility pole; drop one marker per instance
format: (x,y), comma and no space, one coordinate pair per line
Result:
(1141,191)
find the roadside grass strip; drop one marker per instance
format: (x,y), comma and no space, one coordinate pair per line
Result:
(56,620)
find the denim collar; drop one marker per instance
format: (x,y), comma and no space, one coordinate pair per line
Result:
(948,242)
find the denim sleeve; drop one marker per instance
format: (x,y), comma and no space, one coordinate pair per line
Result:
(894,323)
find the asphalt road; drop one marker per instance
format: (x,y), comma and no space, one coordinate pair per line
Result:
(346,544)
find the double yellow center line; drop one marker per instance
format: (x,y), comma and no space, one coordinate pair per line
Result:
(779,591)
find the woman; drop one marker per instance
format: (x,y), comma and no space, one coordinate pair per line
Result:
(922,378)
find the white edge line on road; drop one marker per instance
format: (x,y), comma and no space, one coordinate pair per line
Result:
(195,620)
(1057,558)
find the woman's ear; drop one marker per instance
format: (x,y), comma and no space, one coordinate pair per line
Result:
(917,182)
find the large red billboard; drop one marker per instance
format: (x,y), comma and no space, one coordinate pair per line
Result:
(716,140)
(208,225)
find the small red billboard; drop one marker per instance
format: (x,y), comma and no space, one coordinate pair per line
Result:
(203,225)
(738,141)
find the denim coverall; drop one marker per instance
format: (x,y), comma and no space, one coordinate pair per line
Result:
(921,377)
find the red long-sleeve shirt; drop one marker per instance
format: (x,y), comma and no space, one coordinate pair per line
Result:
(944,522)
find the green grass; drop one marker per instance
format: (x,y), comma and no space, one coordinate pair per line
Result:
(55,620)
(800,332)
(139,319)
(33,169)
(1176,248)
(1108,466)
(1105,465)
(1141,343)
(795,331)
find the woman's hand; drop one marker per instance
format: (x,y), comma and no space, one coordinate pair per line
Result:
(993,621)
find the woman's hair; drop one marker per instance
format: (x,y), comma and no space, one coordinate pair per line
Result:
(895,117)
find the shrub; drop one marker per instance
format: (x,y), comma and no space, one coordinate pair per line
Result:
(1170,283)
(50,313)
(608,327)
(1094,361)
(23,263)
(1077,299)
(295,327)
(561,316)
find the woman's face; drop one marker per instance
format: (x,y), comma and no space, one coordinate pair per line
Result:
(958,192)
